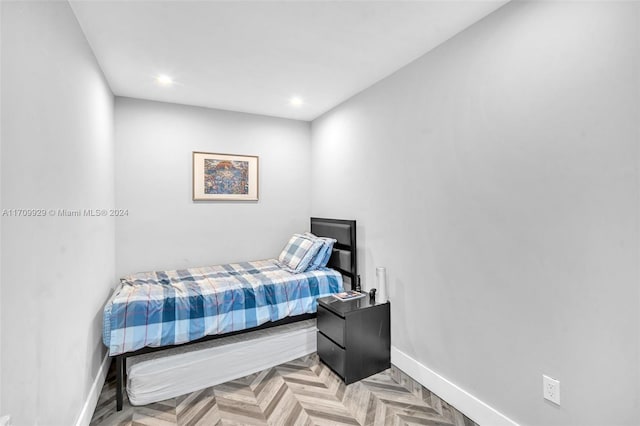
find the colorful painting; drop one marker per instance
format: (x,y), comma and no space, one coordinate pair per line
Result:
(226,177)
(219,177)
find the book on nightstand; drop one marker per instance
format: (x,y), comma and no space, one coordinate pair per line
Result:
(348,295)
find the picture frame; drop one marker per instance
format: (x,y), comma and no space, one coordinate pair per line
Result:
(224,177)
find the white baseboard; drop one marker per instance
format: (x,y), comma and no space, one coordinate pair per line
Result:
(462,400)
(94,393)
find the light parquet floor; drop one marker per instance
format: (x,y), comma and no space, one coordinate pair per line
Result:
(301,392)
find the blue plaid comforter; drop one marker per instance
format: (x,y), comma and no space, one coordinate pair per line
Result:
(172,307)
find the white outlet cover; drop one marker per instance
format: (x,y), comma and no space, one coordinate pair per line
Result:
(551,389)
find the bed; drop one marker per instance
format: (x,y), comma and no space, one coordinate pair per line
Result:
(160,310)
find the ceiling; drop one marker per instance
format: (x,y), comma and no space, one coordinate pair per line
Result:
(253,56)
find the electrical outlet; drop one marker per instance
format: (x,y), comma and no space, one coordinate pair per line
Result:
(551,389)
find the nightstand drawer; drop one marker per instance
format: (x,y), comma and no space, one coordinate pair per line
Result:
(331,325)
(331,354)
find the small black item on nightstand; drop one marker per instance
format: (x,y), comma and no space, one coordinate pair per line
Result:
(354,337)
(372,295)
(358,284)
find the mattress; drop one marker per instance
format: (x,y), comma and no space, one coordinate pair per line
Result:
(164,308)
(169,373)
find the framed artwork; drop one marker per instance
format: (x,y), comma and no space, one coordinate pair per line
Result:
(224,177)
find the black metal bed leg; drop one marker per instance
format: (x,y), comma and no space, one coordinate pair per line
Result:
(119,374)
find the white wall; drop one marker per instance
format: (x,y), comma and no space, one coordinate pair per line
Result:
(57,152)
(497,180)
(165,229)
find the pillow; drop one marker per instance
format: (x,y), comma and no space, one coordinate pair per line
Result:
(327,254)
(299,252)
(321,259)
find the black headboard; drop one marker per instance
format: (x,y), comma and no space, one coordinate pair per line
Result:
(344,258)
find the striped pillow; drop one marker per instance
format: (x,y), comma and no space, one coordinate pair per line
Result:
(299,252)
(321,259)
(327,254)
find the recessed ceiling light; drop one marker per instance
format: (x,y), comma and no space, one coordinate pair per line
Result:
(164,80)
(296,101)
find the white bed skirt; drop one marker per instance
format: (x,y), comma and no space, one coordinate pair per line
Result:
(166,374)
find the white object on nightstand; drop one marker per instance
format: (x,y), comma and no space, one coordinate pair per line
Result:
(381,278)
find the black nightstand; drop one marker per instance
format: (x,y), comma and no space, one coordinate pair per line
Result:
(354,337)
